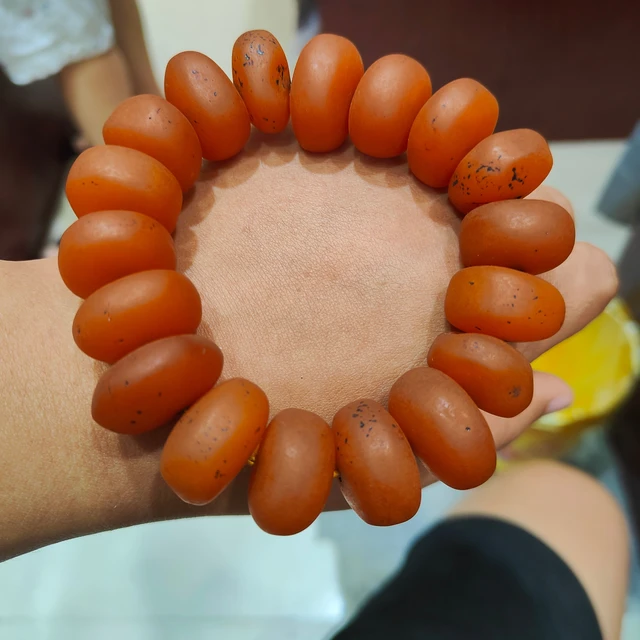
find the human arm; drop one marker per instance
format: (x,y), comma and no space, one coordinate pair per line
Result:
(322,280)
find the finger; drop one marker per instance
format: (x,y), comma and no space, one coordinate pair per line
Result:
(588,281)
(544,192)
(550,394)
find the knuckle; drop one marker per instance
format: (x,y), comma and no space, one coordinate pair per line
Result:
(606,282)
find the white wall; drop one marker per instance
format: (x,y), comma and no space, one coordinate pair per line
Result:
(212,26)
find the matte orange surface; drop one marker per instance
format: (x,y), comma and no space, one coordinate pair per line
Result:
(148,387)
(498,378)
(152,125)
(213,440)
(504,303)
(261,76)
(106,245)
(200,89)
(504,166)
(452,121)
(135,310)
(293,472)
(325,78)
(112,177)
(528,235)
(378,471)
(444,426)
(385,104)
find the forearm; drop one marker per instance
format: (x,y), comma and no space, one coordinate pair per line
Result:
(130,38)
(93,88)
(62,475)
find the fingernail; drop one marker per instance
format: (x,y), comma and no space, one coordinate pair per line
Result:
(558,403)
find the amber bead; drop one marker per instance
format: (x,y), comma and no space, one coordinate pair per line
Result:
(154,126)
(529,235)
(444,426)
(199,88)
(452,121)
(504,166)
(504,303)
(498,378)
(135,310)
(385,104)
(261,76)
(325,78)
(293,472)
(152,384)
(111,177)
(213,440)
(106,245)
(378,471)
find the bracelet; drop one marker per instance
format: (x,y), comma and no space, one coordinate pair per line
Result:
(141,316)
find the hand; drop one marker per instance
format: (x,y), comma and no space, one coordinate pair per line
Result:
(322,279)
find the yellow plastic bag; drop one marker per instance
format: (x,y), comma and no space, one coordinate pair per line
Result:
(600,363)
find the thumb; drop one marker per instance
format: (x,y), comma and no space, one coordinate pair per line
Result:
(550,394)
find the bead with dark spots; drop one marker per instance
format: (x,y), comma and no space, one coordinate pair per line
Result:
(496,376)
(485,305)
(434,412)
(529,235)
(262,79)
(390,494)
(246,419)
(523,152)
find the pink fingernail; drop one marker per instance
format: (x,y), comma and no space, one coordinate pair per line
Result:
(559,403)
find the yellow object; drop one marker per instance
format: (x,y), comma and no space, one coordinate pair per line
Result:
(600,364)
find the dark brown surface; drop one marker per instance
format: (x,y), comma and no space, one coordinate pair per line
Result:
(567,68)
(34,149)
(629,269)
(625,433)
(625,440)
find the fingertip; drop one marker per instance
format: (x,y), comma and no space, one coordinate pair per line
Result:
(554,393)
(550,394)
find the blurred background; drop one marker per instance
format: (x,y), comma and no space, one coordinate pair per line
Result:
(566,68)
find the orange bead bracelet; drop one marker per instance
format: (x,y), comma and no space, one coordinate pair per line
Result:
(141,316)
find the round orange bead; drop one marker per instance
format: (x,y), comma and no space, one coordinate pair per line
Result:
(152,384)
(445,428)
(106,245)
(385,104)
(199,88)
(293,472)
(452,121)
(111,177)
(261,76)
(529,235)
(496,376)
(504,303)
(378,471)
(213,440)
(504,166)
(154,126)
(325,78)
(135,310)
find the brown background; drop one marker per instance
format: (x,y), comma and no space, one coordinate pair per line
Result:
(570,69)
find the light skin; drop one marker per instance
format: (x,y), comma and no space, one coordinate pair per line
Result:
(322,280)
(94,87)
(575,516)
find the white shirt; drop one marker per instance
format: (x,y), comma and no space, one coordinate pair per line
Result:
(38,38)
